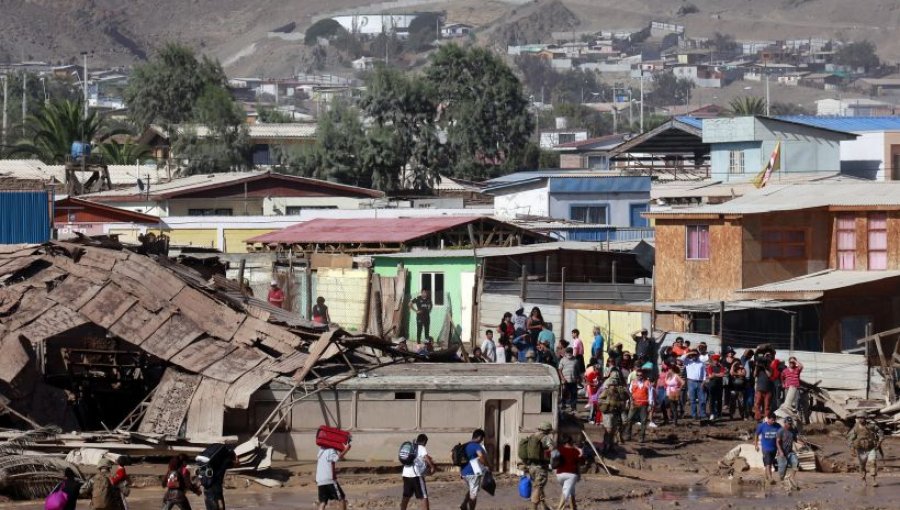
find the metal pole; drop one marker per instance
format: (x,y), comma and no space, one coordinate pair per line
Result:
(547,269)
(793,330)
(562,304)
(84,54)
(766,67)
(613,276)
(524,279)
(868,365)
(653,299)
(722,320)
(5,103)
(642,100)
(24,101)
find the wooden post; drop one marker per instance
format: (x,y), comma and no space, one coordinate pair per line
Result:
(868,365)
(614,271)
(562,304)
(547,269)
(524,289)
(793,331)
(722,320)
(712,324)
(307,284)
(240,277)
(653,299)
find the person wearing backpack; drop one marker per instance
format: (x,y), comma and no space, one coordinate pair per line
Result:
(473,472)
(416,465)
(177,482)
(100,488)
(865,442)
(612,403)
(212,479)
(534,452)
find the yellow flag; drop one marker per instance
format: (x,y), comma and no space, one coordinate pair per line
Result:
(762,178)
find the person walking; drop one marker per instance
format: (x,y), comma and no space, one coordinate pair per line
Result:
(320,313)
(695,370)
(101,490)
(71,486)
(121,481)
(415,473)
(715,377)
(612,404)
(177,482)
(326,477)
(212,480)
(488,347)
(762,403)
(422,306)
(865,442)
(567,474)
(788,461)
(473,472)
(539,469)
(766,441)
(641,390)
(568,374)
(276,295)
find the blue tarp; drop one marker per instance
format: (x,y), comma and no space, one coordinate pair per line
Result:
(25,217)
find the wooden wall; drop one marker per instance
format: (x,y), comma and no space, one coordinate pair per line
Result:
(717,278)
(862,239)
(759,271)
(878,300)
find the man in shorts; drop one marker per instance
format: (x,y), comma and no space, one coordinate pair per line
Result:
(473,472)
(414,475)
(766,441)
(326,478)
(788,461)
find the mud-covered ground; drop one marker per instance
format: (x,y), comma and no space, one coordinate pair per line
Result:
(675,468)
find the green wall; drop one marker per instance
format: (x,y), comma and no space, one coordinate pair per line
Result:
(451,267)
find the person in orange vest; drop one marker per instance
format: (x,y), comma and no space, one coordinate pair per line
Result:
(641,390)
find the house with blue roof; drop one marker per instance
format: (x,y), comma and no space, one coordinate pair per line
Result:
(606,202)
(740,147)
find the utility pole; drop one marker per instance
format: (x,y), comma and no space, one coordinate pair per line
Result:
(84,55)
(766,67)
(24,100)
(642,100)
(5,103)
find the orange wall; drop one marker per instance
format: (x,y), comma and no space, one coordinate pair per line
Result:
(862,240)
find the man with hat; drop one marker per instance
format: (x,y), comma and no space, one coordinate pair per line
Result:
(695,372)
(788,462)
(865,441)
(540,471)
(276,295)
(612,403)
(100,489)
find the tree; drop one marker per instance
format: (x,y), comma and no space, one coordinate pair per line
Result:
(482,110)
(669,90)
(225,145)
(57,90)
(724,43)
(115,153)
(780,108)
(747,105)
(325,28)
(859,54)
(52,130)
(596,123)
(269,115)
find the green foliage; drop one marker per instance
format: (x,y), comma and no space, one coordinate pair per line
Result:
(423,31)
(780,108)
(326,28)
(669,90)
(115,153)
(548,159)
(747,106)
(57,90)
(51,131)
(482,110)
(859,54)
(268,115)
(573,86)
(596,123)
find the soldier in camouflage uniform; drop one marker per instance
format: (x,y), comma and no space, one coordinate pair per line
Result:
(540,472)
(612,401)
(865,440)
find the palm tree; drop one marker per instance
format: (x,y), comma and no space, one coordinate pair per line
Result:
(51,131)
(115,153)
(747,106)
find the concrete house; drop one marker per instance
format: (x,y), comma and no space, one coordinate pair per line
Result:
(827,254)
(592,153)
(741,146)
(588,197)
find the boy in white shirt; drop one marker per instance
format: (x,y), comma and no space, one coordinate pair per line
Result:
(488,347)
(326,479)
(414,475)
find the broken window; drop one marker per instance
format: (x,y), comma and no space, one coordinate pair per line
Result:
(697,242)
(784,244)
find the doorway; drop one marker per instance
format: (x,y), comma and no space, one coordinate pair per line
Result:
(467,291)
(501,427)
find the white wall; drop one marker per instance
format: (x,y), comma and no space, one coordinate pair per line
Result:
(865,154)
(531,202)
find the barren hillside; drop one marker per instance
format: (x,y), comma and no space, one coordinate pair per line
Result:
(118,32)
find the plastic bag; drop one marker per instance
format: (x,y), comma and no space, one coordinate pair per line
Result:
(488,484)
(525,486)
(57,499)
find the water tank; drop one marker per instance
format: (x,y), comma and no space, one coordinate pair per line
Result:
(562,123)
(81,149)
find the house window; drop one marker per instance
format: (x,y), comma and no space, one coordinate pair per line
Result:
(877,241)
(588,213)
(784,244)
(846,242)
(697,242)
(297,210)
(600,162)
(736,162)
(566,138)
(210,212)
(434,284)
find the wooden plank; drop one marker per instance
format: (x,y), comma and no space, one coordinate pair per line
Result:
(14,357)
(69,266)
(49,274)
(270,335)
(101,258)
(34,302)
(10,296)
(74,292)
(234,365)
(138,323)
(238,394)
(14,249)
(315,352)
(142,268)
(142,291)
(54,321)
(290,363)
(170,403)
(19,264)
(108,306)
(174,335)
(202,353)
(206,414)
(257,312)
(217,319)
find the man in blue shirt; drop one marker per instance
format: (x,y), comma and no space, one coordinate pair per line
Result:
(546,336)
(473,472)
(597,346)
(523,346)
(767,442)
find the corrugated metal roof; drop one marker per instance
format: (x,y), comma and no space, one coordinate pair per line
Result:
(533,174)
(792,197)
(694,122)
(458,376)
(377,230)
(824,280)
(849,124)
(499,251)
(602,141)
(716,188)
(613,184)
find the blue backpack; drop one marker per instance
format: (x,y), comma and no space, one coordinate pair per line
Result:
(525,486)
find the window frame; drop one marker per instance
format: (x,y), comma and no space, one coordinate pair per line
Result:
(437,299)
(782,243)
(732,166)
(837,241)
(687,242)
(869,232)
(210,211)
(587,208)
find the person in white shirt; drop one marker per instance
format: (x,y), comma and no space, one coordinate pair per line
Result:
(329,490)
(488,347)
(414,475)
(502,350)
